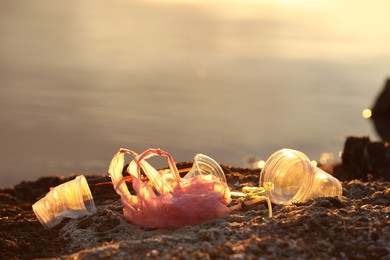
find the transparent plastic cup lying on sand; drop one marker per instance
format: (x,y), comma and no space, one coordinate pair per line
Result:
(205,166)
(71,199)
(294,179)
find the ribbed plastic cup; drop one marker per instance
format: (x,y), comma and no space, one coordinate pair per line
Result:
(205,166)
(71,199)
(294,179)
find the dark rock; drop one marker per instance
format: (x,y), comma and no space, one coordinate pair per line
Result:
(365,160)
(381,113)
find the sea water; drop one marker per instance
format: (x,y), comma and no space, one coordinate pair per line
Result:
(235,81)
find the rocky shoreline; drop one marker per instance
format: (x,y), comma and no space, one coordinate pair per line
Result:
(354,227)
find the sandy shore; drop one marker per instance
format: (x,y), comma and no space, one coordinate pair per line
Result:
(354,227)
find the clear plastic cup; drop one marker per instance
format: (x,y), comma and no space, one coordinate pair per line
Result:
(295,179)
(71,199)
(206,166)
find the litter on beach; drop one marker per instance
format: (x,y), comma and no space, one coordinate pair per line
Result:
(166,200)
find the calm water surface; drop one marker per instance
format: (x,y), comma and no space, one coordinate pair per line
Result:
(79,80)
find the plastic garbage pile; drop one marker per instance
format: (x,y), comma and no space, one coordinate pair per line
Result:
(169,201)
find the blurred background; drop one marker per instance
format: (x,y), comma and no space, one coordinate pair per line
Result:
(236,80)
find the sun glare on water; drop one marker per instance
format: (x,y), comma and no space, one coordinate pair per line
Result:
(242,1)
(367,113)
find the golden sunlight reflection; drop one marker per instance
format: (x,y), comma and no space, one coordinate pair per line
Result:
(314,163)
(326,158)
(259,165)
(314,28)
(275,2)
(367,113)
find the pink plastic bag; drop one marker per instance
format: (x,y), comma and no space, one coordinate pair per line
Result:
(181,202)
